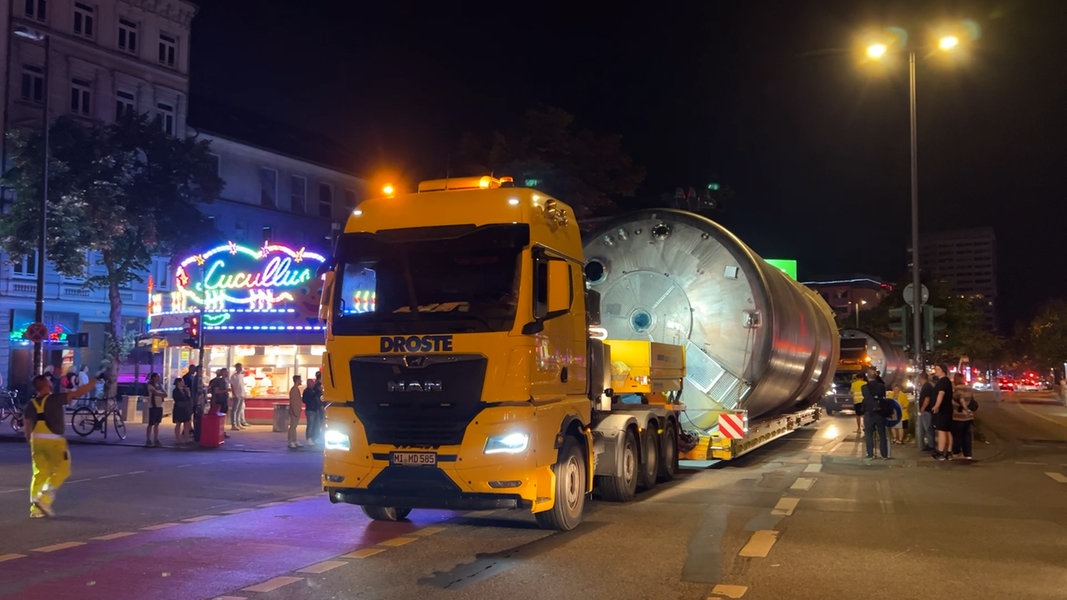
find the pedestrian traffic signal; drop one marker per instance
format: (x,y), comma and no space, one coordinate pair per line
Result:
(192,331)
(900,322)
(932,326)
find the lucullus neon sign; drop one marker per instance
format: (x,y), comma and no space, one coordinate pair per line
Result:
(232,276)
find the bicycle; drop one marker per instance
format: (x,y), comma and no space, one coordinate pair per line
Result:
(11,409)
(86,420)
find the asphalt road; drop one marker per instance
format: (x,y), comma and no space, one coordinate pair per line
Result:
(805,517)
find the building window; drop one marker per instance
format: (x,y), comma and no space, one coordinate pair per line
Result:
(161,274)
(166,117)
(128,36)
(35,9)
(299,194)
(26,267)
(268,234)
(32,84)
(83,19)
(80,95)
(168,49)
(268,187)
(350,199)
(325,200)
(125,104)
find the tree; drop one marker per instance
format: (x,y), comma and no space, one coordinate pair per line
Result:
(125,191)
(545,150)
(1048,334)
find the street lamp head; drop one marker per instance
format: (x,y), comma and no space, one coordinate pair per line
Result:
(877,51)
(948,42)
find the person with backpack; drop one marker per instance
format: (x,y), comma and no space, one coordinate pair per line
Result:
(312,399)
(876,409)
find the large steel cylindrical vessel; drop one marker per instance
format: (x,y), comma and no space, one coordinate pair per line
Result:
(754,338)
(888,359)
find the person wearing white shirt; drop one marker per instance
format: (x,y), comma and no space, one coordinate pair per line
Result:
(237,391)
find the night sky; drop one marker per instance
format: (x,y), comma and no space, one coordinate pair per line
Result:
(767,97)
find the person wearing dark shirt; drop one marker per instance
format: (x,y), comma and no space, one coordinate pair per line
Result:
(873,420)
(926,415)
(45,426)
(942,413)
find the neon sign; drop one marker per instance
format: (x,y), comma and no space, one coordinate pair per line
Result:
(57,335)
(231,276)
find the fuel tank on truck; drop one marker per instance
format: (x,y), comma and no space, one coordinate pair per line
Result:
(754,338)
(888,359)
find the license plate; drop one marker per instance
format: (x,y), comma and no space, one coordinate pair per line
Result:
(413,459)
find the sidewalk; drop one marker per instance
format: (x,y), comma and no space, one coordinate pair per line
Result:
(257,438)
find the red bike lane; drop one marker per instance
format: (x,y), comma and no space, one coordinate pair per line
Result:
(203,559)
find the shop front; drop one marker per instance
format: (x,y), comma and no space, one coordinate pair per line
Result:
(258,307)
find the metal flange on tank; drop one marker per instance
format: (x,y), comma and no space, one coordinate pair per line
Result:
(754,339)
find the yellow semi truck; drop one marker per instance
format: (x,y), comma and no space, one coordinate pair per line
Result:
(464,368)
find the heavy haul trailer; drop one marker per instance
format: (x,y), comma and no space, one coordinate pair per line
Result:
(460,370)
(760,348)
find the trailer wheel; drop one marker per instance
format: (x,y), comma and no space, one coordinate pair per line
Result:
(668,463)
(566,514)
(649,460)
(622,487)
(386,513)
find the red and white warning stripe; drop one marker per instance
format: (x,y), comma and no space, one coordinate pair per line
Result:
(732,426)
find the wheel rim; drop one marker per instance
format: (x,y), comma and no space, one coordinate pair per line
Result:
(629,460)
(571,484)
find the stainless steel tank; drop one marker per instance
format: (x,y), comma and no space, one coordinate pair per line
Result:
(754,338)
(888,359)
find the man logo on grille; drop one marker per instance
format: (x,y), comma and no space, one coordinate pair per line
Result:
(414,386)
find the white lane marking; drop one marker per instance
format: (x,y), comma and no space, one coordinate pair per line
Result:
(110,476)
(235,511)
(79,480)
(230,598)
(7,557)
(1057,477)
(272,584)
(1026,462)
(114,536)
(183,466)
(813,468)
(364,553)
(136,472)
(272,504)
(16,490)
(322,567)
(199,519)
(730,591)
(803,483)
(760,544)
(159,526)
(785,506)
(55,547)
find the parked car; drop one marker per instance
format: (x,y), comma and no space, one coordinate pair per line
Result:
(1027,385)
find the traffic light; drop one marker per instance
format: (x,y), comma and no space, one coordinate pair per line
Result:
(931,325)
(192,331)
(900,321)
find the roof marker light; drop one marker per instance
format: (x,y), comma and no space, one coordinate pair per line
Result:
(513,201)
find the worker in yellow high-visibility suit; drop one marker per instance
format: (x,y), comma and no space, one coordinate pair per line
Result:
(857,398)
(48,448)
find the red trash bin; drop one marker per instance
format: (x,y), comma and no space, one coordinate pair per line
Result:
(212,429)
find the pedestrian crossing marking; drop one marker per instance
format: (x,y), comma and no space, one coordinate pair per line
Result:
(7,557)
(1057,477)
(785,507)
(813,468)
(803,483)
(364,553)
(729,591)
(397,541)
(272,584)
(114,536)
(322,567)
(55,547)
(760,544)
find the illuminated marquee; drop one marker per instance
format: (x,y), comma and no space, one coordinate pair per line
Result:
(232,276)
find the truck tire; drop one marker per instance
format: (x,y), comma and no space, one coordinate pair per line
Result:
(668,462)
(622,487)
(570,473)
(649,460)
(386,513)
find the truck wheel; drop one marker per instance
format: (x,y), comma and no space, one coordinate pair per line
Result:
(569,470)
(386,513)
(649,460)
(622,487)
(668,462)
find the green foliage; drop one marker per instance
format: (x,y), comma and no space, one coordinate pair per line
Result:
(587,170)
(1048,334)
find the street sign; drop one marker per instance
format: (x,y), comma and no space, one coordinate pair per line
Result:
(909,295)
(36,332)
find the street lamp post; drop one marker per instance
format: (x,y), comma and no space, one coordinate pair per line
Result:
(38,302)
(857,304)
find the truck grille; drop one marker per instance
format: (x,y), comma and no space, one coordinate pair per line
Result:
(417,399)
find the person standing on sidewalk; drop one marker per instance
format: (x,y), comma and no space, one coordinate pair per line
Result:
(962,419)
(874,422)
(942,413)
(296,396)
(926,415)
(312,399)
(183,411)
(45,426)
(219,389)
(857,399)
(156,396)
(237,390)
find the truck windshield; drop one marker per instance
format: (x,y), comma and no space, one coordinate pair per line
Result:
(448,279)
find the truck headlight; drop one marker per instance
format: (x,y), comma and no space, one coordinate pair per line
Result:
(508,443)
(335,440)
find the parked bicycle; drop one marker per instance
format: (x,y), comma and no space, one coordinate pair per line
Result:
(86,420)
(11,409)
